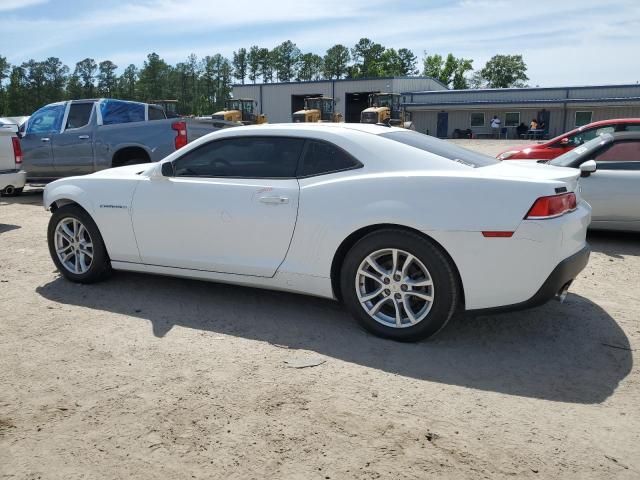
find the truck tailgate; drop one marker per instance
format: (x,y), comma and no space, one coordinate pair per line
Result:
(7,160)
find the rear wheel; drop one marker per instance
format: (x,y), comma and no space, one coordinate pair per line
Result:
(76,246)
(399,285)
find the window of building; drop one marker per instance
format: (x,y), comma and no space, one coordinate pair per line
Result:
(477,119)
(79,115)
(583,118)
(323,157)
(512,119)
(243,157)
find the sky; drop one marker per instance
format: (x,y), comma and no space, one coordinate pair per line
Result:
(564,42)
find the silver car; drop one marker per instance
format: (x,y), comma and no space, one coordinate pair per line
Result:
(610,179)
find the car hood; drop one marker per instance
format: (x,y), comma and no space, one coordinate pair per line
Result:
(122,172)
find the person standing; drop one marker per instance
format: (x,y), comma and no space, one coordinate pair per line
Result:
(495,126)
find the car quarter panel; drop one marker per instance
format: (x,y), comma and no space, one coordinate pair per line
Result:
(334,206)
(108,201)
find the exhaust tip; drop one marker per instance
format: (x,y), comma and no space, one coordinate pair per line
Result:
(562,293)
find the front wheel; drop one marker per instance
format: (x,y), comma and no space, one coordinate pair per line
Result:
(399,285)
(76,246)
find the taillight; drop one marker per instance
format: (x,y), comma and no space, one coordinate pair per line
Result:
(181,135)
(552,206)
(17,150)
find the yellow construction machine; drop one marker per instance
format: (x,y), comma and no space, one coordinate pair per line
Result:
(240,110)
(385,108)
(318,109)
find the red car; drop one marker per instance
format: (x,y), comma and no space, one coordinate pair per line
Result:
(568,141)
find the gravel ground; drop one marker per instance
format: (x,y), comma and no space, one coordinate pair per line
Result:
(153,377)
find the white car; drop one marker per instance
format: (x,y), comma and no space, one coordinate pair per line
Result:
(12,177)
(405,229)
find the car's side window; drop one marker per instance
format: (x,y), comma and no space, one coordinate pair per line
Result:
(632,128)
(156,113)
(323,157)
(46,120)
(242,157)
(119,111)
(586,135)
(623,155)
(79,115)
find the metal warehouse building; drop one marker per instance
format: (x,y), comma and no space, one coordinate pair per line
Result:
(279,100)
(441,113)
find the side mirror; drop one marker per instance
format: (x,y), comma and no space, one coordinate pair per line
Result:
(564,142)
(167,169)
(588,167)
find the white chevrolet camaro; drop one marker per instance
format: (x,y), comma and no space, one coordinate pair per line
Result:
(403,228)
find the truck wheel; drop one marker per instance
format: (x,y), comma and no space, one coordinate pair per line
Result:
(76,246)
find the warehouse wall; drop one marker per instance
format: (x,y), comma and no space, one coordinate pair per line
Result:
(276,97)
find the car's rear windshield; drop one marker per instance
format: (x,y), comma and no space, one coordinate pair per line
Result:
(442,148)
(567,159)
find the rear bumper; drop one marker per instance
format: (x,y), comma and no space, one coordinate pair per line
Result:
(13,178)
(564,273)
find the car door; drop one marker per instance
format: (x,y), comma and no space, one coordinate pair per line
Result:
(37,153)
(230,207)
(73,148)
(614,189)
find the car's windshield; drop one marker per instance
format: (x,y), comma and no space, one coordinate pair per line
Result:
(567,159)
(442,148)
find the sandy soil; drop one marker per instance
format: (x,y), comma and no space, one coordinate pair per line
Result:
(152,377)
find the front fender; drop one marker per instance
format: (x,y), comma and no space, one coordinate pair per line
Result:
(62,193)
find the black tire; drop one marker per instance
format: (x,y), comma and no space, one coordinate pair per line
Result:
(445,290)
(100,265)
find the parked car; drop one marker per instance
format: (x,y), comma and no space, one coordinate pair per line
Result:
(83,136)
(610,166)
(568,141)
(404,228)
(12,177)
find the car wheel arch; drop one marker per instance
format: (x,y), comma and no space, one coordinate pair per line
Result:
(354,237)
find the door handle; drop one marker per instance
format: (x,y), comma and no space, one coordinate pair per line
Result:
(274,200)
(45,139)
(83,137)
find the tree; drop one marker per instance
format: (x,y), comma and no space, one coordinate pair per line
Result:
(86,71)
(107,78)
(463,66)
(266,60)
(504,71)
(253,63)
(153,81)
(310,67)
(4,74)
(450,71)
(286,58)
(368,58)
(240,65)
(335,62)
(17,93)
(127,83)
(35,83)
(407,62)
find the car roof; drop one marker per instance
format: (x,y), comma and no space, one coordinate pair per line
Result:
(625,135)
(327,127)
(599,123)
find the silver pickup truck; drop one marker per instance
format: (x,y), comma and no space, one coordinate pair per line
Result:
(83,136)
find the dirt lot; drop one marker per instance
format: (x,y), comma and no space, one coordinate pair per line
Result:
(151,377)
